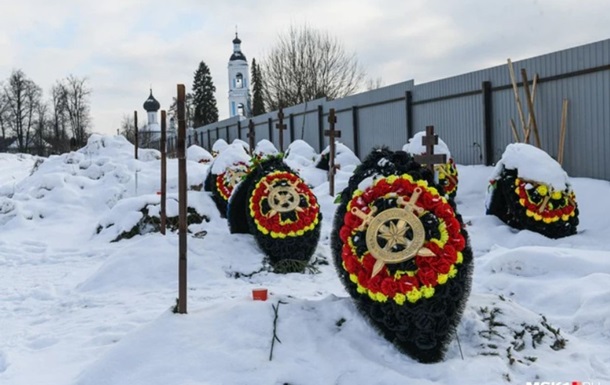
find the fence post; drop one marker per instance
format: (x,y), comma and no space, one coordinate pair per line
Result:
(488,122)
(239,129)
(409,112)
(209,141)
(270,124)
(320,128)
(291,123)
(355,118)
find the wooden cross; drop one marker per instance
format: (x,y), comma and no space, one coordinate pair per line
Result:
(429,158)
(332,134)
(251,136)
(281,126)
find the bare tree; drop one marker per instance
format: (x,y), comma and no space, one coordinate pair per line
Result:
(3,120)
(59,118)
(22,96)
(39,137)
(373,84)
(127,128)
(77,106)
(307,64)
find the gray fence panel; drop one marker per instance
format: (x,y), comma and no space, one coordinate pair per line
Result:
(458,122)
(382,125)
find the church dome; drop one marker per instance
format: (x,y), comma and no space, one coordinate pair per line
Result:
(151,104)
(237,54)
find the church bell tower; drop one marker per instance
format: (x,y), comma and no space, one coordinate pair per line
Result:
(239,82)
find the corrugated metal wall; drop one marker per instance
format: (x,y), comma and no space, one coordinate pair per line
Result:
(455,107)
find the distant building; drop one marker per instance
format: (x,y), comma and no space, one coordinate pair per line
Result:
(239,81)
(152,131)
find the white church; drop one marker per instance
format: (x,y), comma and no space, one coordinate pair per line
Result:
(239,96)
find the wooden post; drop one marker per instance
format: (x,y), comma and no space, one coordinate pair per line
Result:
(163,171)
(562,135)
(530,107)
(182,200)
(529,118)
(511,71)
(429,158)
(135,130)
(332,134)
(281,126)
(251,136)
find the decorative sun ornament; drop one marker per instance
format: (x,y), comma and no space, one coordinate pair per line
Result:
(400,240)
(226,182)
(282,205)
(543,203)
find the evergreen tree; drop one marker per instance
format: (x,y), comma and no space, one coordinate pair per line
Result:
(258,105)
(205,110)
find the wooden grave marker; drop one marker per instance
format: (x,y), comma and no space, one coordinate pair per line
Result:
(429,158)
(281,126)
(332,134)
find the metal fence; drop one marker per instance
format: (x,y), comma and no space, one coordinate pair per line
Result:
(470,112)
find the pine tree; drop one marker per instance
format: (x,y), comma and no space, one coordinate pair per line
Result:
(258,105)
(205,110)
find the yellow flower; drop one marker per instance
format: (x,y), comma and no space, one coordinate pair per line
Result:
(542,190)
(556,195)
(399,298)
(413,295)
(442,278)
(427,291)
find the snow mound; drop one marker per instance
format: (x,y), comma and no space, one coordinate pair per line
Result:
(198,154)
(265,147)
(219,146)
(245,145)
(344,156)
(233,154)
(300,154)
(532,164)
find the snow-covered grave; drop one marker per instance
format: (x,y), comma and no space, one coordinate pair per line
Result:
(78,309)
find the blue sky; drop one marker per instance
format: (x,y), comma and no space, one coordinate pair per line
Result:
(125,46)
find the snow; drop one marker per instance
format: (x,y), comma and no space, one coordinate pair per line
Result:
(230,156)
(523,157)
(265,147)
(219,145)
(79,310)
(415,146)
(344,156)
(198,154)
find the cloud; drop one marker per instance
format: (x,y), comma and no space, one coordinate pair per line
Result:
(124,47)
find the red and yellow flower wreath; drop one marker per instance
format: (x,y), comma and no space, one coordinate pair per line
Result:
(448,176)
(543,203)
(294,223)
(226,182)
(429,272)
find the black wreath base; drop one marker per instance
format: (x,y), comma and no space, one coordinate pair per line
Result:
(422,330)
(504,204)
(221,203)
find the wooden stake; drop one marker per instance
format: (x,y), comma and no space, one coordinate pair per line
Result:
(182,199)
(163,170)
(562,135)
(529,118)
(530,107)
(511,71)
(135,126)
(514,130)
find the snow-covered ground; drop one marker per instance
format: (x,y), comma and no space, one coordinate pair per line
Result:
(76,309)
